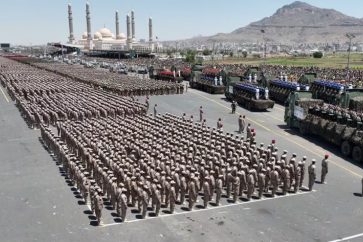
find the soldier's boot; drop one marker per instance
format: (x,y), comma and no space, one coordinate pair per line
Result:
(86,199)
(228,191)
(190,205)
(182,198)
(273,191)
(123,215)
(153,204)
(157,211)
(144,210)
(310,186)
(218,198)
(260,191)
(205,202)
(118,211)
(323,175)
(172,208)
(235,197)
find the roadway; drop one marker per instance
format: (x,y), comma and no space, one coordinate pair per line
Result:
(37,204)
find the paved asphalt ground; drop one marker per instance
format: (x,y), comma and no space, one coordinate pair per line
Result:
(37,204)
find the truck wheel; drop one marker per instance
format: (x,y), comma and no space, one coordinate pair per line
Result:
(302,129)
(249,106)
(345,148)
(357,154)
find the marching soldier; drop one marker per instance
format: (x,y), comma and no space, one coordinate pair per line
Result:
(236,188)
(219,188)
(206,192)
(312,174)
(302,170)
(173,197)
(183,187)
(144,200)
(261,183)
(99,207)
(192,194)
(275,181)
(285,179)
(297,179)
(250,185)
(157,200)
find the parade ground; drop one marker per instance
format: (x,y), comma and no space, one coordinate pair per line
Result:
(38,204)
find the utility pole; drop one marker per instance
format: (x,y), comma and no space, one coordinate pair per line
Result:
(350,37)
(264,45)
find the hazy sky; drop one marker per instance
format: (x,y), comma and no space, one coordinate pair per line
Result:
(42,21)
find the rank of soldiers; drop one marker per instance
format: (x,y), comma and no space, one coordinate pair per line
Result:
(149,162)
(111,150)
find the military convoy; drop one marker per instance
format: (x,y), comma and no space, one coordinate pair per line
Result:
(339,123)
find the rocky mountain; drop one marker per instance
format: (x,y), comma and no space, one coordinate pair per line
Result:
(296,23)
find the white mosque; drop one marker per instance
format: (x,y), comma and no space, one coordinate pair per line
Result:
(105,40)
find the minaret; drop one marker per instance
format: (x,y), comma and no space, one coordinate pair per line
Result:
(151,43)
(117,26)
(128,28)
(89,32)
(70,21)
(150,30)
(133,25)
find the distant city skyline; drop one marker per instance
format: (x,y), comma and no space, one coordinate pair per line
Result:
(40,21)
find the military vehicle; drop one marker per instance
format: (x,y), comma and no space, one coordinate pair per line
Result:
(249,96)
(337,124)
(211,80)
(280,90)
(186,73)
(327,90)
(167,75)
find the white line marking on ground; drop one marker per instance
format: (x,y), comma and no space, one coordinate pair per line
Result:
(6,98)
(348,238)
(209,208)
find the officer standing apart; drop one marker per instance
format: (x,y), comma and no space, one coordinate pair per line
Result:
(201,114)
(233,106)
(155,110)
(324,168)
(241,124)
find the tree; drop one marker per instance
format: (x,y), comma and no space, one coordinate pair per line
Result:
(318,54)
(231,54)
(244,54)
(190,56)
(207,52)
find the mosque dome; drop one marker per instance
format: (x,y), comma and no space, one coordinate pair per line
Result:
(106,33)
(84,35)
(97,35)
(121,36)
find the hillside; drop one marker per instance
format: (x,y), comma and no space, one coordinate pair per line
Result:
(296,23)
